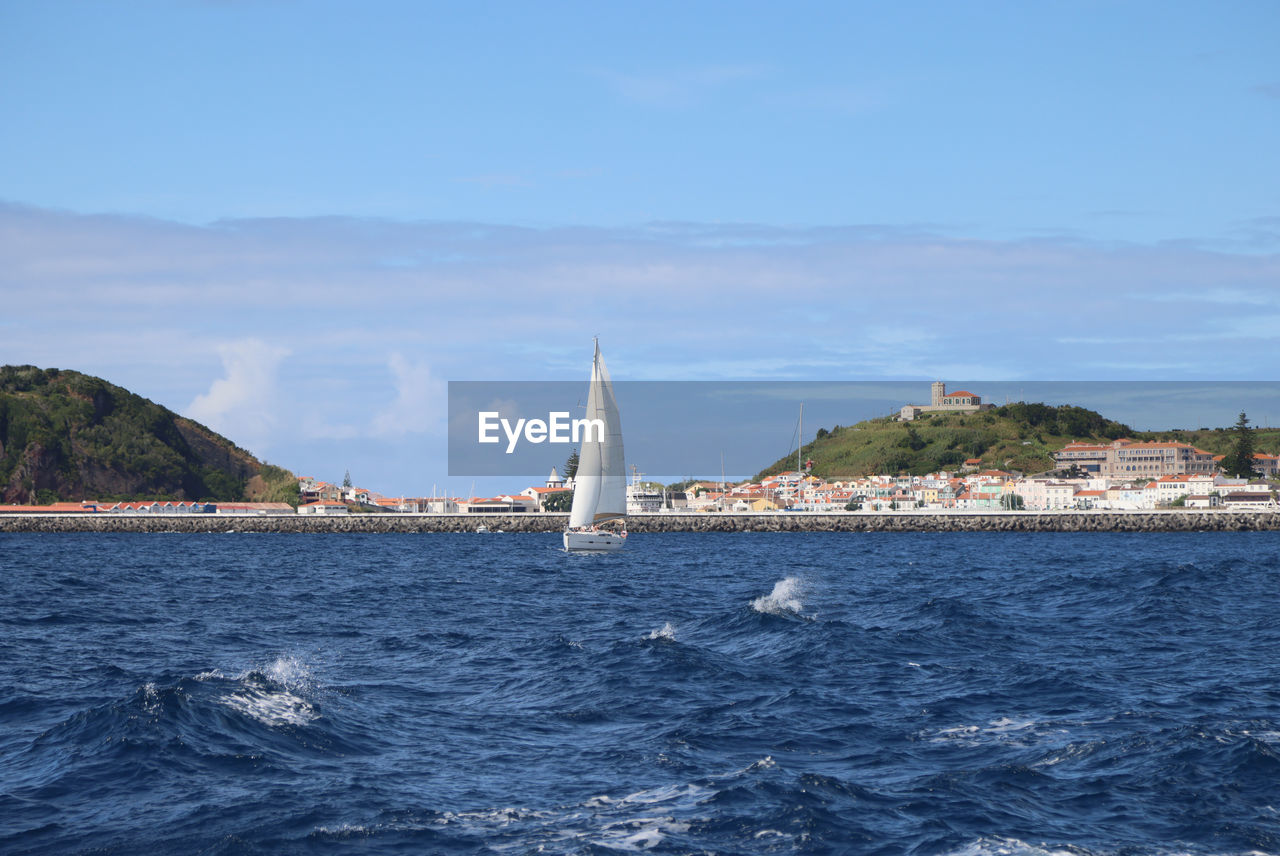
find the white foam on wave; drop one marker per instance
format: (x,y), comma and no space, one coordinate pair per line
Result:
(644,831)
(277,701)
(1007,846)
(1001,846)
(1001,730)
(637,833)
(346,830)
(150,697)
(639,821)
(666,633)
(785,599)
(273,708)
(493,817)
(290,671)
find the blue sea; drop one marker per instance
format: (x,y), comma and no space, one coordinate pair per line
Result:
(979,694)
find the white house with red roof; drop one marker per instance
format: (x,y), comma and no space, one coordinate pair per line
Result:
(1128,497)
(540,495)
(1171,487)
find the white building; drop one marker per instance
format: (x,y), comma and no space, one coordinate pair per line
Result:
(322,507)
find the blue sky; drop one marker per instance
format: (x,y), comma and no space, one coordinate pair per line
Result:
(297,221)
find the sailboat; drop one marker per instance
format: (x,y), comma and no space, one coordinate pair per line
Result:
(600,485)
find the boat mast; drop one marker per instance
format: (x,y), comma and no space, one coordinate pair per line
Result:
(800,440)
(799,450)
(722,482)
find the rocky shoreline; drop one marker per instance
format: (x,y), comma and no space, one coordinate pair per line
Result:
(1068,521)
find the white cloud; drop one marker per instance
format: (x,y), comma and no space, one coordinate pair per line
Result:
(243,404)
(420,404)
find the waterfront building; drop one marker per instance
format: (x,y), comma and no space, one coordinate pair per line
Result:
(1048,494)
(540,495)
(1087,499)
(1172,487)
(323,507)
(1249,499)
(441,505)
(504,504)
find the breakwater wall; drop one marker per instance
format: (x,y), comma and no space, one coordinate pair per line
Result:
(1018,521)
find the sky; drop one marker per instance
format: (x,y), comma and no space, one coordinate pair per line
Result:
(297,221)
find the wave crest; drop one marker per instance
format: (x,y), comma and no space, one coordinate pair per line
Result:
(784,600)
(665,633)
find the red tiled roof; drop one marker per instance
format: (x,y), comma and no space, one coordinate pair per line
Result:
(54,508)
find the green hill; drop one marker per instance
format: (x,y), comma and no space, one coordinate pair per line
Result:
(1020,437)
(69,436)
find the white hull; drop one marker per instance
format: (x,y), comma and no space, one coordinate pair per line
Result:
(593,541)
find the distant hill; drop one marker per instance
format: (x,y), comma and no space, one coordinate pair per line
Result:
(1021,437)
(69,436)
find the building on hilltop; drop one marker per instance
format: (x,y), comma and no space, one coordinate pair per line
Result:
(940,399)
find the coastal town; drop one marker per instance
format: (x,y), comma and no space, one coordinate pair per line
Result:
(1121,475)
(1124,475)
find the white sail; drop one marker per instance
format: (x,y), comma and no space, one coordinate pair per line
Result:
(600,485)
(586,481)
(612,502)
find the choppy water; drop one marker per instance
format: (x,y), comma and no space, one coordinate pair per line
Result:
(826,693)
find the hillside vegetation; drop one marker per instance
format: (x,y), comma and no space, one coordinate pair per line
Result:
(69,436)
(1018,437)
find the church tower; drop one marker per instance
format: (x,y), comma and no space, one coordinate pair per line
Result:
(939,393)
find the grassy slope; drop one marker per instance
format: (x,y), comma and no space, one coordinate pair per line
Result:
(66,435)
(1019,437)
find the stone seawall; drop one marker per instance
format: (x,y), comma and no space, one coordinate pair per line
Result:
(1090,521)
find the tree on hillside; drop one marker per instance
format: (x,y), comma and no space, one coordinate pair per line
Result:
(346,481)
(571,465)
(1240,462)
